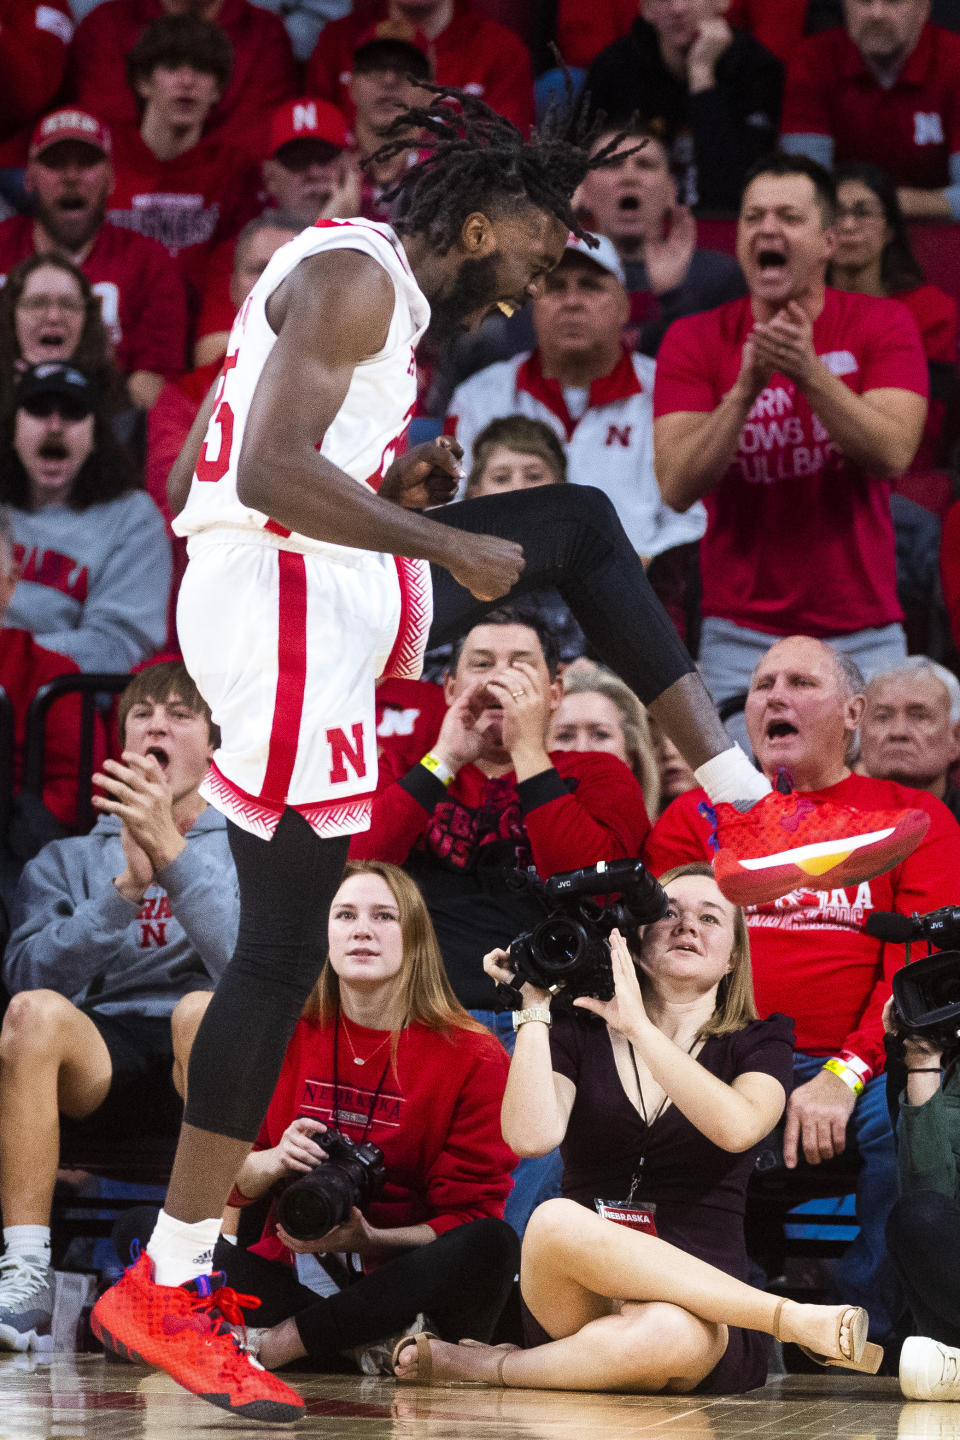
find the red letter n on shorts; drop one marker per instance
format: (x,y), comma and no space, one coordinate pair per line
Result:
(341,750)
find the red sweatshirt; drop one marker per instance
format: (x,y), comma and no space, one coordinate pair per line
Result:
(24,667)
(437,1119)
(263,74)
(472,53)
(811,956)
(584,30)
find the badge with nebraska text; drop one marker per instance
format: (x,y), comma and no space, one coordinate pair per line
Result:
(629,1213)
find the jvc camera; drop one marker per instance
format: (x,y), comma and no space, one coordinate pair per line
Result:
(926,992)
(352,1175)
(570,948)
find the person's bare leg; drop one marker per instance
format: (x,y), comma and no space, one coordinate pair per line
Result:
(645,1349)
(52,1061)
(184,1024)
(570,1255)
(281,1344)
(687,714)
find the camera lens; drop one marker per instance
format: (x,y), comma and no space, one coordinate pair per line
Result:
(559,945)
(314,1204)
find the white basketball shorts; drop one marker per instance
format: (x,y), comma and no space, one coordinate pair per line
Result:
(286,649)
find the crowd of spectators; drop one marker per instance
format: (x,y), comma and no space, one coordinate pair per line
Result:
(751,364)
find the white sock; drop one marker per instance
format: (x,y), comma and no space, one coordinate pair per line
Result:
(27,1240)
(729,776)
(180,1251)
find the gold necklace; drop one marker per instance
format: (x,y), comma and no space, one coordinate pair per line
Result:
(359,1060)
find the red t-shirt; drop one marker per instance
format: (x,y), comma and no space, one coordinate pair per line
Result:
(34,38)
(811,956)
(189,203)
(437,1118)
(911,129)
(471,53)
(141,293)
(799,539)
(264,72)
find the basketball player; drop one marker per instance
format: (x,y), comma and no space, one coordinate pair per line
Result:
(305,585)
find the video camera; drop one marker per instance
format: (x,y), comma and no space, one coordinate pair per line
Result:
(570,949)
(926,992)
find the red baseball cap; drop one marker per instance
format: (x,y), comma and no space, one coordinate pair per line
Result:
(308,119)
(70,125)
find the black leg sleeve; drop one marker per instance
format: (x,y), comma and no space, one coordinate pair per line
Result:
(461,1281)
(922,1236)
(573,541)
(286,886)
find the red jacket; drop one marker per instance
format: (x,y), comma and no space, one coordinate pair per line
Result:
(264,72)
(437,1119)
(34,36)
(472,53)
(811,956)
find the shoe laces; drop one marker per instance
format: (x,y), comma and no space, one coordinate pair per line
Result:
(950,1374)
(22,1277)
(226,1303)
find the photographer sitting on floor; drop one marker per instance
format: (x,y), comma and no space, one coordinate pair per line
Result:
(383,1054)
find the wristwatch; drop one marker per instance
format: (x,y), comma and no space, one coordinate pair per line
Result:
(533,1012)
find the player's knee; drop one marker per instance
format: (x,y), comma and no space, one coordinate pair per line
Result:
(33,1019)
(664,1343)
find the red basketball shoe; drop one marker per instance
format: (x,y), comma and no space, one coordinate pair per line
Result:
(173,1328)
(790,842)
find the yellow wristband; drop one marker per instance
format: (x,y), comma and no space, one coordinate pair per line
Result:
(844,1073)
(436,767)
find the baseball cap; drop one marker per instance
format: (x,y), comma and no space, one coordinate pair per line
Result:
(55,378)
(604,254)
(393,40)
(308,119)
(70,125)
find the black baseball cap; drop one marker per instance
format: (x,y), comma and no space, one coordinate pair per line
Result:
(60,379)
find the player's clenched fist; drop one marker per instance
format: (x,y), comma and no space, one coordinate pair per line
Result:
(485,565)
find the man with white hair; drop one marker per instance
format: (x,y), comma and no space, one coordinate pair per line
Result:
(910,730)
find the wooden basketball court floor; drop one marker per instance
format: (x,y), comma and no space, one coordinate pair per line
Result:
(86,1397)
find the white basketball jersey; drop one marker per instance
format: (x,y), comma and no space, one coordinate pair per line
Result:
(370,425)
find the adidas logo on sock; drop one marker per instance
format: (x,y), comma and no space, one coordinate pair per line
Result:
(204,1258)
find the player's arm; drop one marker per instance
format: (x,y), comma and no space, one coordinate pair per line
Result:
(331,313)
(181,471)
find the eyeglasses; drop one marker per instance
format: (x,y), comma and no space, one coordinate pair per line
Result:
(35,304)
(41,407)
(860,211)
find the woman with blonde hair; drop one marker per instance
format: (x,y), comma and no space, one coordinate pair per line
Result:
(385,1054)
(634,1280)
(599,711)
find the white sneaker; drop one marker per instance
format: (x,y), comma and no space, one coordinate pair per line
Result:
(929,1370)
(26,1303)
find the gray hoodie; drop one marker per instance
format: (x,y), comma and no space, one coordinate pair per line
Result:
(95,583)
(74,933)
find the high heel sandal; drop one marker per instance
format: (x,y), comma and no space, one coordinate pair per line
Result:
(424,1375)
(865,1357)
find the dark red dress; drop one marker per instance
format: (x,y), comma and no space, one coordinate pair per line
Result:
(699,1189)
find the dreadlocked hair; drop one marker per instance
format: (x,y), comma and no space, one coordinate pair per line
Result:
(479,160)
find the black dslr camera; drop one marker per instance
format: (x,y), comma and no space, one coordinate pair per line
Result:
(926,992)
(570,949)
(352,1175)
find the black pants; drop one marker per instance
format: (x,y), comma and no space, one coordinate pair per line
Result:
(923,1240)
(460,1281)
(572,540)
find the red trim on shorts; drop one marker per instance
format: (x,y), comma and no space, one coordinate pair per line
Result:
(273,527)
(416,606)
(291,677)
(325,817)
